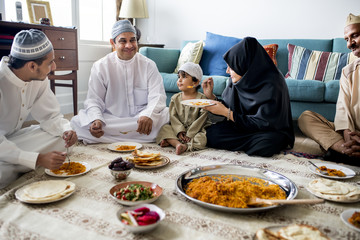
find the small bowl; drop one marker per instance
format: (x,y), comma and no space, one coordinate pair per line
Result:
(120,175)
(157,191)
(141,229)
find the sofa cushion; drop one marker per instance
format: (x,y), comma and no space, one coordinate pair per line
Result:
(192,52)
(164,58)
(315,65)
(305,90)
(271,49)
(212,62)
(332,91)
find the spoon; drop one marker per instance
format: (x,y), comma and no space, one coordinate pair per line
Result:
(259,201)
(321,171)
(67,155)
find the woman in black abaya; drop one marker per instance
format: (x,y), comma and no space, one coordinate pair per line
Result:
(254,115)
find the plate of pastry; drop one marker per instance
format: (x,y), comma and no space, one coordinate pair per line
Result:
(74,168)
(147,160)
(45,191)
(332,171)
(198,102)
(124,146)
(335,191)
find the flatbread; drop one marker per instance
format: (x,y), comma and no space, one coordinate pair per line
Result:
(334,190)
(291,232)
(301,232)
(46,190)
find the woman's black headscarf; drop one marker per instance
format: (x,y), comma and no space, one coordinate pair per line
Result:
(260,99)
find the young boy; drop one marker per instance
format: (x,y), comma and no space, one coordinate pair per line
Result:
(186,131)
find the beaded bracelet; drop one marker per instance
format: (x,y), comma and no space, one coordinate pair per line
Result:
(228,116)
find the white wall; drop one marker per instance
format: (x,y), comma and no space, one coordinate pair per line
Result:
(172,21)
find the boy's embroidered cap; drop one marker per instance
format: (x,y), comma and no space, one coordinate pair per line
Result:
(192,69)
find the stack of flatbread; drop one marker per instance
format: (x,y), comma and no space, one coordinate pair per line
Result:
(294,231)
(334,190)
(45,191)
(142,158)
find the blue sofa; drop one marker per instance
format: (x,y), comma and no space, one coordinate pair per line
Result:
(304,94)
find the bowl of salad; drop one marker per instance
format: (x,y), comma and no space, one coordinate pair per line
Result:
(140,218)
(136,192)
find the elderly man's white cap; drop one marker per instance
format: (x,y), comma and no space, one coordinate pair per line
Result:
(192,69)
(352,19)
(30,45)
(122,26)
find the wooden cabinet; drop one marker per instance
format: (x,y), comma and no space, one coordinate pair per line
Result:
(64,41)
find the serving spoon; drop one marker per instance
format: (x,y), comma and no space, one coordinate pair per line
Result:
(259,201)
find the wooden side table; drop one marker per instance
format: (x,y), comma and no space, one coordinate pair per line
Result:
(64,41)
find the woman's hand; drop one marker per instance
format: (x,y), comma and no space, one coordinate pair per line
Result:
(218,109)
(208,87)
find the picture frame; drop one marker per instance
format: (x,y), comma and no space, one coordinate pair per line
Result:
(39,9)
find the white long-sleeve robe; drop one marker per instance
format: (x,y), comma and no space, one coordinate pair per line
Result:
(121,91)
(19,148)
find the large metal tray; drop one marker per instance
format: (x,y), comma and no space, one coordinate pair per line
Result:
(245,171)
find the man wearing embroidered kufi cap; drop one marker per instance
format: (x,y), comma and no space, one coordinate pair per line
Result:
(341,139)
(126,99)
(24,90)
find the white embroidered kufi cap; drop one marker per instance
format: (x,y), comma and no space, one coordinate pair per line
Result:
(352,19)
(122,26)
(30,45)
(192,69)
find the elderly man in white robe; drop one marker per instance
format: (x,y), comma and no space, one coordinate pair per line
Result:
(341,138)
(126,99)
(24,90)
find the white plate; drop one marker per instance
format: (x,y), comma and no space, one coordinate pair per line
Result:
(164,161)
(87,165)
(146,228)
(157,191)
(319,195)
(345,215)
(198,102)
(18,195)
(348,172)
(113,146)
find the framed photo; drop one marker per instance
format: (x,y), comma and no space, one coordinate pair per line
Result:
(39,9)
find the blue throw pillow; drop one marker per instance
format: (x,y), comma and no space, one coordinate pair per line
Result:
(212,62)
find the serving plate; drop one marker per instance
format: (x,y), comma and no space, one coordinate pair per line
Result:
(164,161)
(242,171)
(157,192)
(345,215)
(87,165)
(200,103)
(348,172)
(19,194)
(114,146)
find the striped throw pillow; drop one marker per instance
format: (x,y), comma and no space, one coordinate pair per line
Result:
(307,64)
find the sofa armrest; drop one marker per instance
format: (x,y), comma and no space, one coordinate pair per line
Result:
(166,59)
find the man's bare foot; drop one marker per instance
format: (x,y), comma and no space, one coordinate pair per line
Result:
(164,143)
(180,148)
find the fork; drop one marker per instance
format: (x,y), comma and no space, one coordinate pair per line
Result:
(321,171)
(67,155)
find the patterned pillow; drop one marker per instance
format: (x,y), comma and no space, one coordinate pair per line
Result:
(307,64)
(271,49)
(192,52)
